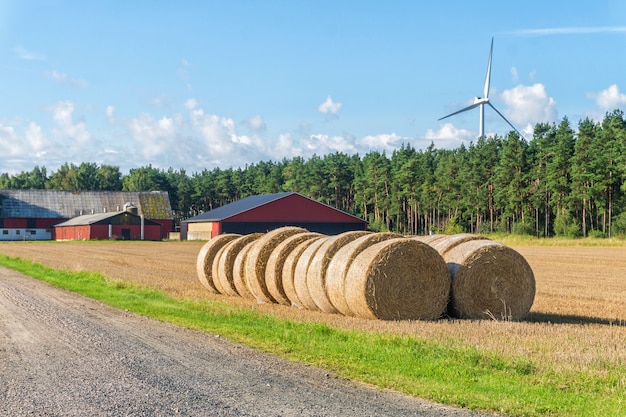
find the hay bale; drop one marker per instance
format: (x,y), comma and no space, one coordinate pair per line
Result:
(276,262)
(206,256)
(430,239)
(316,272)
(257,258)
(300,274)
(340,262)
(398,279)
(224,263)
(489,280)
(239,274)
(450,241)
(289,270)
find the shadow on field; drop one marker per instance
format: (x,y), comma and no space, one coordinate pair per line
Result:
(535,317)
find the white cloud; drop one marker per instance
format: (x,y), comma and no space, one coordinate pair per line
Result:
(322,144)
(256,124)
(9,143)
(609,98)
(154,138)
(31,144)
(529,105)
(27,55)
(66,126)
(286,148)
(514,74)
(449,136)
(329,107)
(62,78)
(183,70)
(36,140)
(191,104)
(387,142)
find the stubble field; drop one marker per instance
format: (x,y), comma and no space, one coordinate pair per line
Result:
(577,321)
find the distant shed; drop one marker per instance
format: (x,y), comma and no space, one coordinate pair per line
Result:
(124,225)
(265,212)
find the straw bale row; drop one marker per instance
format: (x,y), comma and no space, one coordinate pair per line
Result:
(488,279)
(372,275)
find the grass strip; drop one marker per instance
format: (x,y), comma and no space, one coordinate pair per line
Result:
(449,374)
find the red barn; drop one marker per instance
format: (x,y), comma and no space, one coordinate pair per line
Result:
(119,225)
(261,213)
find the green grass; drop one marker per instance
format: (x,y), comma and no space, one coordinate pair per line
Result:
(448,373)
(525,240)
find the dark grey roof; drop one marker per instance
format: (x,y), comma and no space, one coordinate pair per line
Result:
(87,219)
(237,207)
(68,204)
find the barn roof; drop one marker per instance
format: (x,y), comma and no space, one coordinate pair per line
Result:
(252,202)
(68,204)
(89,219)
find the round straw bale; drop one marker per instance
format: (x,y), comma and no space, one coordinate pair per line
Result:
(450,241)
(276,261)
(239,274)
(430,239)
(289,270)
(224,263)
(257,258)
(300,274)
(339,264)
(398,279)
(316,272)
(206,256)
(489,280)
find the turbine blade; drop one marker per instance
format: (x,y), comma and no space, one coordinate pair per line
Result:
(488,76)
(470,107)
(506,120)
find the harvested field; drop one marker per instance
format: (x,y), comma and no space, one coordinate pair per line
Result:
(578,316)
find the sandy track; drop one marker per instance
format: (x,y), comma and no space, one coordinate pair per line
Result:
(65,355)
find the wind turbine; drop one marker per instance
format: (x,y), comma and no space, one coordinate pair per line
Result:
(481,101)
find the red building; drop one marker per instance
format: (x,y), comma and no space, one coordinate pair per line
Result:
(31,214)
(120,225)
(261,213)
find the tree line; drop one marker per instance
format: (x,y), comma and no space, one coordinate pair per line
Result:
(559,183)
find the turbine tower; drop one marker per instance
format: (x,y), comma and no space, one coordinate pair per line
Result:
(481,101)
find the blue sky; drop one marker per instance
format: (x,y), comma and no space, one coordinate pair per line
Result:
(205,84)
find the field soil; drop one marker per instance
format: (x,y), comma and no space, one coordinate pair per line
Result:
(578,320)
(574,283)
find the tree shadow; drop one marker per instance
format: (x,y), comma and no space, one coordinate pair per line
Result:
(552,318)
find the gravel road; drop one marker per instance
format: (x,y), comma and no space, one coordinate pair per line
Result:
(65,355)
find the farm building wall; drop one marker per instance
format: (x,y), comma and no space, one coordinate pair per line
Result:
(200,231)
(101,232)
(167,226)
(26,228)
(72,233)
(244,228)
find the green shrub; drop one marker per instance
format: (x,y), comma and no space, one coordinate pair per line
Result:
(565,225)
(523,228)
